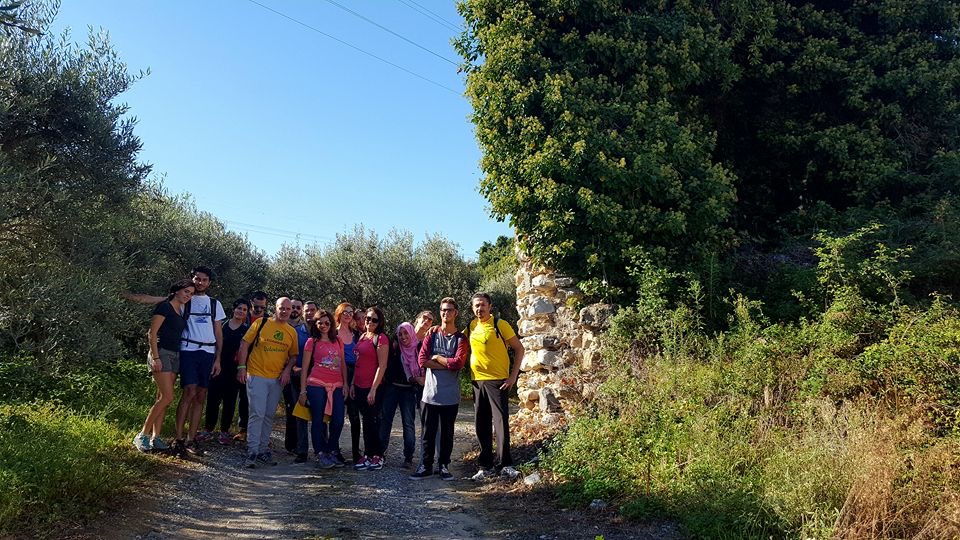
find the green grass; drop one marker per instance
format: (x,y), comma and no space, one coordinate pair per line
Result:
(65,447)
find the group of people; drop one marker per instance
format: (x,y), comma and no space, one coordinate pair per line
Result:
(327,366)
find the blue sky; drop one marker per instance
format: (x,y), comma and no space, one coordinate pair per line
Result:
(281,131)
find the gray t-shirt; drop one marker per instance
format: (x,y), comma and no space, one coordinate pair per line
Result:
(441,386)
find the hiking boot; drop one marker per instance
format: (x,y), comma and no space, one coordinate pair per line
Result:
(250,462)
(361,464)
(158,445)
(203,436)
(422,473)
(193,447)
(509,472)
(482,474)
(375,463)
(301,458)
(266,458)
(224,438)
(142,443)
(444,473)
(179,449)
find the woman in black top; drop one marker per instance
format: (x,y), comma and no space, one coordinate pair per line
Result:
(225,387)
(166,327)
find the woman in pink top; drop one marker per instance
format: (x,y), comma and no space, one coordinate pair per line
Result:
(371,350)
(322,388)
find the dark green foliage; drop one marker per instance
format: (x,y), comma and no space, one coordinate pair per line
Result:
(497,265)
(716,138)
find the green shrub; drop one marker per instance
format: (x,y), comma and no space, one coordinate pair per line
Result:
(56,464)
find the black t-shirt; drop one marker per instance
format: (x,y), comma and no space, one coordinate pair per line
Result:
(170,331)
(231,344)
(395,373)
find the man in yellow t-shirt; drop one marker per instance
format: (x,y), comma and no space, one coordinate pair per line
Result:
(492,378)
(266,356)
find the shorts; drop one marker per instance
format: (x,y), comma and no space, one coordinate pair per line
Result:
(195,367)
(169,361)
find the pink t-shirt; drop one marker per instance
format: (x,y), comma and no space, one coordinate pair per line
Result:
(325,362)
(366,369)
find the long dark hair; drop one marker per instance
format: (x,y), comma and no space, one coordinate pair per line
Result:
(381,320)
(178,286)
(315,330)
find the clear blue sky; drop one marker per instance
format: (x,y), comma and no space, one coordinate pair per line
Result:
(279,130)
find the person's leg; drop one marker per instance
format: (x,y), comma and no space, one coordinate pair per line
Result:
(317,399)
(303,437)
(204,367)
(243,409)
(230,390)
(408,411)
(389,411)
(448,421)
(290,395)
(482,424)
(154,422)
(353,414)
(428,447)
(336,421)
(216,394)
(257,400)
(196,412)
(501,422)
(188,382)
(274,391)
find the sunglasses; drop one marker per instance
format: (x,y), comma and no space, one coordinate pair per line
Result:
(258,308)
(372,319)
(323,323)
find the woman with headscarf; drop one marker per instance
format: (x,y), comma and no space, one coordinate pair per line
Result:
(404,376)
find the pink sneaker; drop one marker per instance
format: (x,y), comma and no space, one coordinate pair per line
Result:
(225,438)
(375,463)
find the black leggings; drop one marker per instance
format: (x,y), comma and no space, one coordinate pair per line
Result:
(370,416)
(223,391)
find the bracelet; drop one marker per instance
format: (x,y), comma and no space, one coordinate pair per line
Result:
(242,366)
(303,392)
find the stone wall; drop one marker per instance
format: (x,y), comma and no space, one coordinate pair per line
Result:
(560,338)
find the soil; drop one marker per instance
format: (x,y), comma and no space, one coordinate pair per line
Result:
(214,497)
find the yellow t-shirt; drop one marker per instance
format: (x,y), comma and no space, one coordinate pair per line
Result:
(489,360)
(277,343)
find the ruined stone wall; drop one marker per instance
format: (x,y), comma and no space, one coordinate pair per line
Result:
(560,338)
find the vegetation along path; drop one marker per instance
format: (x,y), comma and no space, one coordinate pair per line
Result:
(214,497)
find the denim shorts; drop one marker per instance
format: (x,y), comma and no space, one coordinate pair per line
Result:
(195,368)
(169,361)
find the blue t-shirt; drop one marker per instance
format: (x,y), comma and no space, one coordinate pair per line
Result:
(442,386)
(302,336)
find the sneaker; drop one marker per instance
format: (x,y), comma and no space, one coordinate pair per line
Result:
(361,464)
(142,443)
(375,463)
(422,473)
(250,462)
(240,437)
(266,458)
(193,447)
(224,438)
(445,473)
(482,474)
(178,449)
(338,460)
(158,445)
(509,472)
(301,458)
(407,464)
(326,461)
(203,436)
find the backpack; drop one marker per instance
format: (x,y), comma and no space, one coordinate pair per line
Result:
(496,328)
(256,336)
(213,323)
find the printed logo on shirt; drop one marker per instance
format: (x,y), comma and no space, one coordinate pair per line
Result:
(278,335)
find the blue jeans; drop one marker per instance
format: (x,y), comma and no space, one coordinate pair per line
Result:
(406,398)
(326,437)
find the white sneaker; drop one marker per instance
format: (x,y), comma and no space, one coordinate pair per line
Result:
(482,474)
(509,472)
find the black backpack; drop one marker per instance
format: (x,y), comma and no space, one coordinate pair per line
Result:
(213,322)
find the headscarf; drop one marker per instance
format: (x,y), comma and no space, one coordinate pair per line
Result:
(408,353)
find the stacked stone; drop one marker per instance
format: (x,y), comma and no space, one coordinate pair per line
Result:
(561,347)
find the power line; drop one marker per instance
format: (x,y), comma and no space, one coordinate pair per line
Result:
(431,15)
(354,47)
(384,28)
(273,231)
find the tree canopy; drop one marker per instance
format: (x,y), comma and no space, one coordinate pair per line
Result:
(619,133)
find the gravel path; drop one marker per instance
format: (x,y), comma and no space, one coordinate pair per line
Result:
(214,497)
